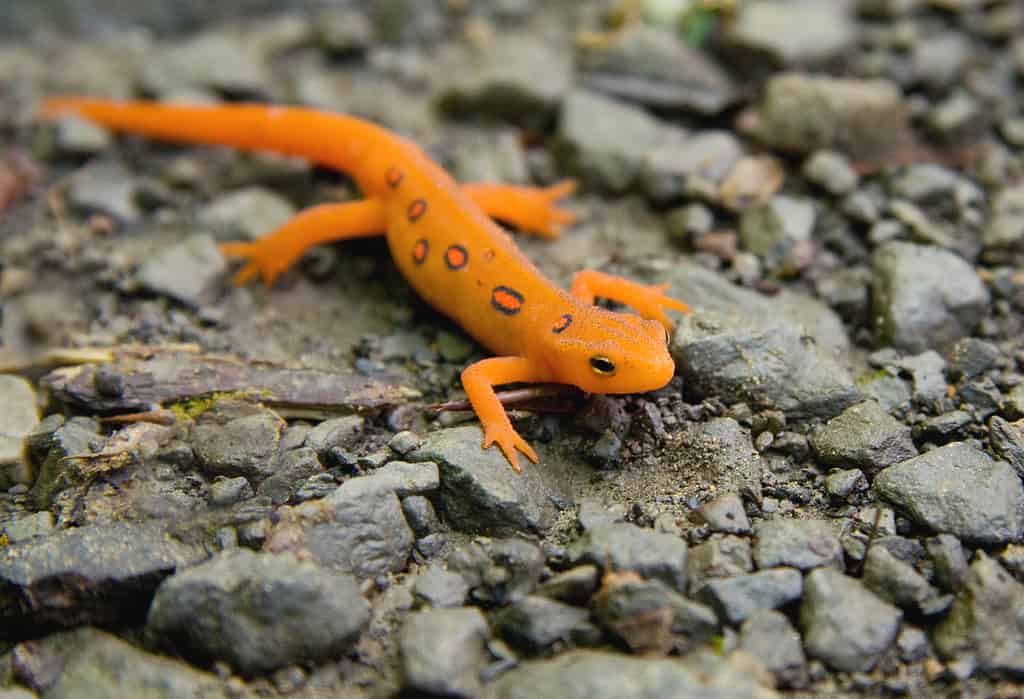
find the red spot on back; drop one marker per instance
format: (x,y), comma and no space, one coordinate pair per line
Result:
(507,300)
(456,257)
(393,177)
(416,209)
(420,250)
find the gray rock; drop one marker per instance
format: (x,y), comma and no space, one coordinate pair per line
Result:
(214,60)
(985,627)
(343,30)
(398,477)
(97,574)
(958,116)
(770,637)
(948,561)
(777,230)
(844,483)
(438,587)
(799,33)
(607,141)
(443,651)
(225,492)
(648,616)
(69,439)
(683,163)
(488,156)
(843,624)
(591,674)
(19,415)
(896,581)
(573,586)
(718,557)
(336,433)
(293,469)
(804,113)
(244,443)
(248,213)
(928,372)
(863,436)
(626,547)
(770,367)
(938,61)
(928,184)
(972,357)
(536,623)
(725,514)
(28,527)
(726,456)
(87,663)
(959,490)
(76,136)
(734,599)
(831,171)
(924,297)
(1007,440)
(479,493)
(105,187)
(258,612)
(188,271)
(499,571)
(651,66)
(799,543)
(1005,229)
(357,529)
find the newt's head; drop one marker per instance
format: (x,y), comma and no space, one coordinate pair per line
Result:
(604,352)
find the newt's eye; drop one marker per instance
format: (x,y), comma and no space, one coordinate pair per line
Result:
(602,365)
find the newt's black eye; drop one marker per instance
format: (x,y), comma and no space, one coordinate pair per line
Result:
(602,365)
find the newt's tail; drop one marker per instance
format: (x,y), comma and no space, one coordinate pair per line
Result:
(334,140)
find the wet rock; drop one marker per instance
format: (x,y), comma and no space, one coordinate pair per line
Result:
(517,78)
(443,651)
(831,171)
(438,587)
(972,357)
(734,599)
(804,113)
(19,415)
(607,141)
(897,581)
(479,493)
(725,514)
(420,514)
(536,624)
(188,271)
(248,213)
(685,163)
(72,438)
(863,436)
(91,663)
(499,571)
(104,187)
(237,440)
(799,543)
(843,624)
(215,60)
(718,557)
(626,547)
(959,490)
(1007,439)
(359,529)
(98,574)
(258,612)
(293,470)
(985,627)
(777,230)
(800,33)
(651,66)
(770,637)
(764,366)
(648,616)
(573,586)
(924,297)
(726,456)
(591,674)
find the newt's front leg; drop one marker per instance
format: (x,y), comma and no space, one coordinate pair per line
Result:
(648,300)
(531,209)
(479,381)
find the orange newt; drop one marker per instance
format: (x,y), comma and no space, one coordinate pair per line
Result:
(443,241)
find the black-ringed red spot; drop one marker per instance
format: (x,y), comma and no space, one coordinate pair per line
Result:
(562,323)
(416,209)
(420,250)
(507,300)
(456,257)
(393,177)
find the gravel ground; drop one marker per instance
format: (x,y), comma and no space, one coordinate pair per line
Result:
(827,499)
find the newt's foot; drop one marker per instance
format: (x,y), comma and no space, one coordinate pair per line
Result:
(508,440)
(545,217)
(650,302)
(263,260)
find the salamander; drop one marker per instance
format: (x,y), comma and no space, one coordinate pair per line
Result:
(443,240)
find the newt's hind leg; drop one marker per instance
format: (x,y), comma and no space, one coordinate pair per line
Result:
(531,209)
(648,300)
(277,251)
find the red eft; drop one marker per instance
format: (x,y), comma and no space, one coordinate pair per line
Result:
(443,241)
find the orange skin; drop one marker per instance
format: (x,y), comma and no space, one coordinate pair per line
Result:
(442,240)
